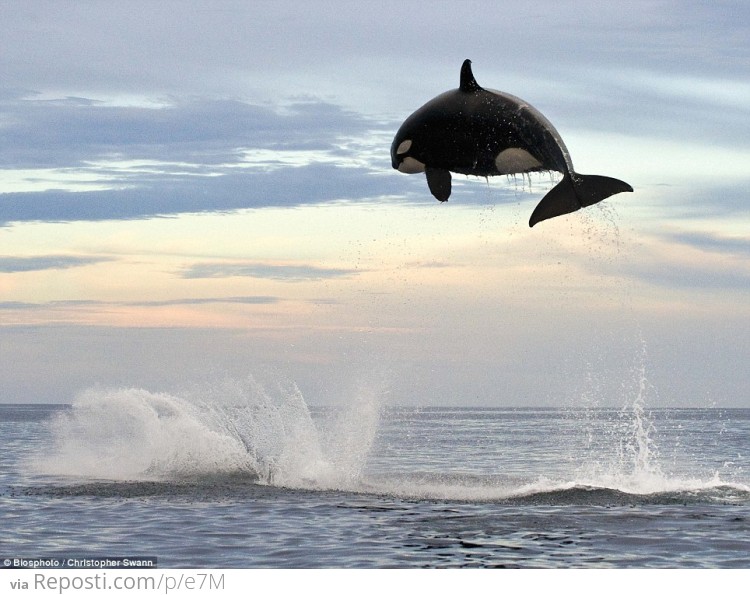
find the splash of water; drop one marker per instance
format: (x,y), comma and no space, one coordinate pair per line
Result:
(264,431)
(641,449)
(131,433)
(626,455)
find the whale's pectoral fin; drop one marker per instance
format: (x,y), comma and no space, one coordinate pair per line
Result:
(439,182)
(575,191)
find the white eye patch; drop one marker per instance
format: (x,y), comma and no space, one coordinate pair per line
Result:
(403,147)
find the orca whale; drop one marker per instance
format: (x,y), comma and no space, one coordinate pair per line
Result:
(482,132)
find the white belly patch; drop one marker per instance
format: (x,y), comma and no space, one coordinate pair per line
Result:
(515,161)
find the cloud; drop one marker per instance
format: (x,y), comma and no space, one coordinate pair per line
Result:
(711,242)
(251,300)
(11,305)
(292,273)
(165,195)
(703,262)
(652,105)
(685,276)
(81,160)
(156,196)
(74,131)
(270,44)
(24,264)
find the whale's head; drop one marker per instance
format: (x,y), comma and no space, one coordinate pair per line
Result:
(402,157)
(415,141)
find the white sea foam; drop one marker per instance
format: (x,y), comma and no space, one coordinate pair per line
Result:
(129,434)
(261,430)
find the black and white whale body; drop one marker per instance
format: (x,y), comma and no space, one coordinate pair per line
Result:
(481,132)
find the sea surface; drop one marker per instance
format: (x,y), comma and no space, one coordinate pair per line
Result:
(257,479)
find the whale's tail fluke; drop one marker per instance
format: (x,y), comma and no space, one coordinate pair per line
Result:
(574,192)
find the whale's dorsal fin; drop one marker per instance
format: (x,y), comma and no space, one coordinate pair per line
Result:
(468,82)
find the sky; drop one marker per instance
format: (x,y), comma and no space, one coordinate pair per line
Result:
(194,191)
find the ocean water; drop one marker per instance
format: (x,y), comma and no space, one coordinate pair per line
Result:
(247,475)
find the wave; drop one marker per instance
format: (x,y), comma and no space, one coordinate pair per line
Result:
(234,438)
(559,492)
(238,487)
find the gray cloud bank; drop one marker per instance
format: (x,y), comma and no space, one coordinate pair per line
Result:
(190,157)
(247,300)
(23,264)
(266,271)
(70,132)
